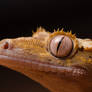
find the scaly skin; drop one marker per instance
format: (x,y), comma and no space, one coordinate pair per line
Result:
(31,57)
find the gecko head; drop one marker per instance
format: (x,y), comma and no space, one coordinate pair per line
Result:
(58,52)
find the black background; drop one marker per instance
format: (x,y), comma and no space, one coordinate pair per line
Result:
(20,17)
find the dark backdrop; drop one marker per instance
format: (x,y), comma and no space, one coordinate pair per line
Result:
(19,17)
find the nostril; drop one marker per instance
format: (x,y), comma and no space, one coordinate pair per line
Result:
(6,45)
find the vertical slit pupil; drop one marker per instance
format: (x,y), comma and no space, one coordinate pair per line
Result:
(59,43)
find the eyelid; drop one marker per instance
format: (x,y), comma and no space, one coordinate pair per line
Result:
(73,41)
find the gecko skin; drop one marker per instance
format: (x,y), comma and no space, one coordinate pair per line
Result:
(40,58)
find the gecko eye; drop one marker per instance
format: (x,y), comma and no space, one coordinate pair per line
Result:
(61,46)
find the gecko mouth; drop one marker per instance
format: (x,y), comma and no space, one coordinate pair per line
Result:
(75,72)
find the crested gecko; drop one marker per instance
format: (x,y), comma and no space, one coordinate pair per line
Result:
(59,60)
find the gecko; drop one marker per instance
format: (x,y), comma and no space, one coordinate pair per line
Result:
(58,61)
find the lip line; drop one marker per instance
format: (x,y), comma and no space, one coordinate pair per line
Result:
(46,67)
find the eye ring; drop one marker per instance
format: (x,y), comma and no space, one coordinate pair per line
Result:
(70,39)
(61,46)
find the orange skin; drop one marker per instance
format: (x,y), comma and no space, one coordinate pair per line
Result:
(30,56)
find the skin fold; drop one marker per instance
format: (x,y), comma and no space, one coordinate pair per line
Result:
(31,56)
